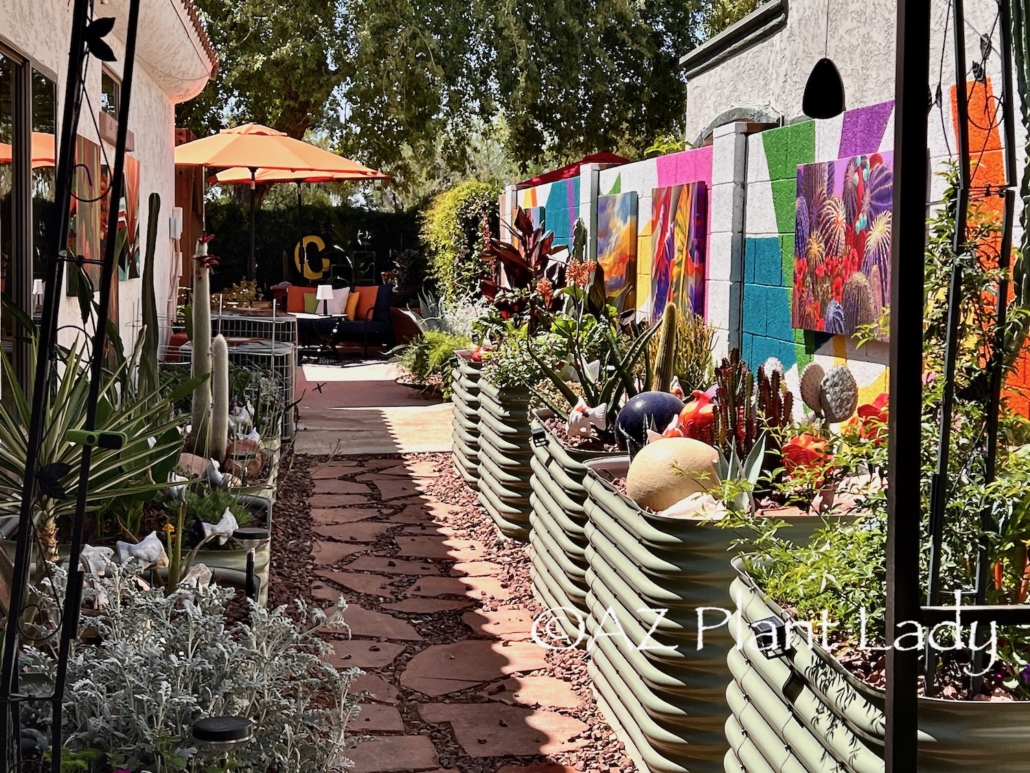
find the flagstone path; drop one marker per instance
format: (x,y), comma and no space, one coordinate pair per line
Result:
(441,621)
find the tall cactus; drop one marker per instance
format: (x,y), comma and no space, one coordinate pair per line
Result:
(665,362)
(220,398)
(148,361)
(201,349)
(775,402)
(736,424)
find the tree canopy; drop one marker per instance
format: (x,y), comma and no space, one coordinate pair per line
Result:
(419,87)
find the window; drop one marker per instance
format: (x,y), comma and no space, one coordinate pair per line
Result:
(110,93)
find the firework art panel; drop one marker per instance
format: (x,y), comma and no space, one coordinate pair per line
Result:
(679,218)
(842,244)
(617,247)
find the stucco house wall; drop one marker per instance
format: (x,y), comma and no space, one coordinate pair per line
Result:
(174,62)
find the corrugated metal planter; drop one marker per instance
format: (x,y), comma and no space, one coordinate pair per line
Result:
(505,452)
(465,424)
(651,575)
(805,712)
(558,533)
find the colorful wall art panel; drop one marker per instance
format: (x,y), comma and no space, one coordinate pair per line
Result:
(617,247)
(84,223)
(842,243)
(679,218)
(538,215)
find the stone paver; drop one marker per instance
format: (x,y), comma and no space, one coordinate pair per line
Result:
(446,668)
(427,606)
(366,623)
(413,514)
(476,569)
(353,532)
(429,528)
(431,587)
(546,768)
(395,487)
(535,690)
(364,654)
(486,587)
(377,718)
(331,553)
(430,546)
(328,516)
(506,623)
(392,565)
(333,470)
(381,691)
(391,753)
(498,730)
(340,487)
(372,584)
(337,500)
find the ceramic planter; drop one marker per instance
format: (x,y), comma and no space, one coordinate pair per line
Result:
(505,453)
(558,533)
(465,424)
(649,575)
(805,712)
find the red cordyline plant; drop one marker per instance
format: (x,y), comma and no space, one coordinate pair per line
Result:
(523,273)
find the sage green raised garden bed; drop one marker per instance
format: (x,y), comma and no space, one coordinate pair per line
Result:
(805,712)
(505,453)
(670,699)
(558,533)
(465,424)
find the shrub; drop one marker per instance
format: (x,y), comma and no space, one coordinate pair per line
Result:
(430,354)
(455,230)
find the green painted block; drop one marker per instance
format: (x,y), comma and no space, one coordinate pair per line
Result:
(775,143)
(801,145)
(804,345)
(787,258)
(785,193)
(617,186)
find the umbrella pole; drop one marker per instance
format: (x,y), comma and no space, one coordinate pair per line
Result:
(252,265)
(302,254)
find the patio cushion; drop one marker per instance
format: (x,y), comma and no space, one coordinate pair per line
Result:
(311,304)
(338,305)
(295,298)
(352,304)
(366,300)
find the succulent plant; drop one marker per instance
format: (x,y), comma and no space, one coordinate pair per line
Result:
(219,436)
(838,395)
(736,423)
(201,355)
(775,402)
(811,384)
(773,364)
(665,362)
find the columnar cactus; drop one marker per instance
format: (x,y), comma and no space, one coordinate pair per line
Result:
(219,437)
(775,402)
(201,348)
(736,425)
(665,362)
(148,361)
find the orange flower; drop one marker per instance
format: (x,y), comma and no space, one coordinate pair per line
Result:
(805,450)
(545,288)
(871,422)
(698,416)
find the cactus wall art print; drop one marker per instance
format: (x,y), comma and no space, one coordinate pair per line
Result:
(842,244)
(617,247)
(679,220)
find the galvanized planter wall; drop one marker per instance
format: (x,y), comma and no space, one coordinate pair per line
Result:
(804,712)
(505,452)
(652,574)
(465,424)
(558,534)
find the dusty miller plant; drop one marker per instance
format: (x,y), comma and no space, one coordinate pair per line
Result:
(163,662)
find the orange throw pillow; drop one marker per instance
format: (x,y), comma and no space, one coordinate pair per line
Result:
(295,298)
(366,300)
(352,305)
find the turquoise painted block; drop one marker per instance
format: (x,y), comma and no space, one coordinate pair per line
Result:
(768,263)
(750,252)
(785,194)
(755,300)
(747,347)
(777,308)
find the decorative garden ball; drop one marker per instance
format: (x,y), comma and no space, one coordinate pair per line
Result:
(648,410)
(669,470)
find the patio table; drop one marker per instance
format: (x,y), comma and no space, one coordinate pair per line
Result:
(321,328)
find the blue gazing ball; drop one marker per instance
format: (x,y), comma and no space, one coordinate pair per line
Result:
(648,410)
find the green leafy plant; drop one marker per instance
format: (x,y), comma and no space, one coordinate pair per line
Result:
(664,145)
(456,228)
(693,363)
(431,355)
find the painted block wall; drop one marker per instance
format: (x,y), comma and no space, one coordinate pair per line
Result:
(561,202)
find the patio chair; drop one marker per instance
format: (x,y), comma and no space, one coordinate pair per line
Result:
(373,317)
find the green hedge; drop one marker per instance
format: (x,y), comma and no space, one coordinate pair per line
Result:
(453,236)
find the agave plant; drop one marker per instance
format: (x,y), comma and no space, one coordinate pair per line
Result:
(137,470)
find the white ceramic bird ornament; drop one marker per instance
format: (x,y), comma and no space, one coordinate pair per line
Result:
(149,551)
(223,529)
(582,419)
(95,559)
(675,388)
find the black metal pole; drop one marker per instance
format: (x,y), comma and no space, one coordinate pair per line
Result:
(252,264)
(908,245)
(939,485)
(9,725)
(73,596)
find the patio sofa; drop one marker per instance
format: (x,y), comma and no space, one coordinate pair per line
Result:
(372,317)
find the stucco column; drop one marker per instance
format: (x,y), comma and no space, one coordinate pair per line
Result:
(589,175)
(506,203)
(726,245)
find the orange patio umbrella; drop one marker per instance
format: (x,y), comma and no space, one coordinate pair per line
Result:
(255,148)
(44,151)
